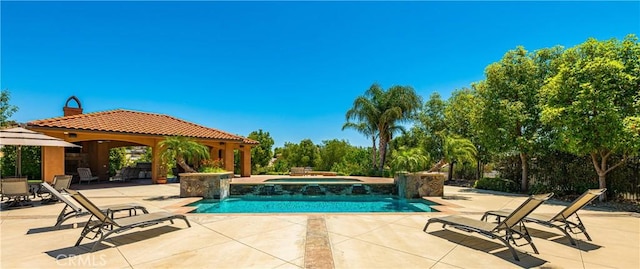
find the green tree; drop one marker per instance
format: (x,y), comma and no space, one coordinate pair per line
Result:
(431,122)
(459,111)
(387,109)
(182,150)
(261,154)
(117,159)
(509,115)
(355,162)
(147,157)
(305,154)
(461,121)
(280,165)
(593,102)
(366,129)
(6,109)
(31,161)
(432,115)
(332,152)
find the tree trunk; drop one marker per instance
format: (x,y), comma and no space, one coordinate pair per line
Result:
(373,153)
(185,166)
(602,183)
(383,152)
(437,166)
(524,183)
(602,170)
(450,174)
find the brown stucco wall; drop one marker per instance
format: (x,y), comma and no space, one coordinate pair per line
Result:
(52,162)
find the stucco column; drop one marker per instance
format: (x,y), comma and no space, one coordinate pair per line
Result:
(155,161)
(213,153)
(246,161)
(103,161)
(52,162)
(228,157)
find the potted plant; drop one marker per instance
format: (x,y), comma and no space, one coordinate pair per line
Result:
(162,172)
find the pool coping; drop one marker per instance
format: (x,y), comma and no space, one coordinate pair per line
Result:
(182,207)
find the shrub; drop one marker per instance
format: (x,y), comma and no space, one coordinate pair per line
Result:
(538,188)
(496,184)
(211,170)
(277,173)
(211,166)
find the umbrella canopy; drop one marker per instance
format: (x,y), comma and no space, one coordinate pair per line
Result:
(22,137)
(19,136)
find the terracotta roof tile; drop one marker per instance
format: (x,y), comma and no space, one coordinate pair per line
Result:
(134,122)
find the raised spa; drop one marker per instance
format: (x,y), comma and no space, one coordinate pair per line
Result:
(313,180)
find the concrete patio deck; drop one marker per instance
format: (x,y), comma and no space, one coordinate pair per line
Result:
(309,240)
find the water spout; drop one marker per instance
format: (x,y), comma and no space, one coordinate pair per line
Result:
(401,184)
(224,187)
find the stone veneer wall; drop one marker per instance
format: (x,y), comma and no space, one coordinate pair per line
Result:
(417,185)
(206,185)
(326,189)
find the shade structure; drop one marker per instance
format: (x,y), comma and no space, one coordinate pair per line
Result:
(22,137)
(19,136)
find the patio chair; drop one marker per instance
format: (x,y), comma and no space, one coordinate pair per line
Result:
(559,221)
(16,190)
(72,210)
(60,182)
(104,225)
(85,175)
(503,230)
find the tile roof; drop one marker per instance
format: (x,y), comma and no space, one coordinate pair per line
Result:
(135,122)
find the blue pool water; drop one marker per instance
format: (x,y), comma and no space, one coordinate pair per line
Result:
(312,205)
(313,180)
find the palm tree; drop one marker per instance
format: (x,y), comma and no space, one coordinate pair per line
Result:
(366,113)
(384,110)
(454,149)
(410,160)
(182,150)
(396,105)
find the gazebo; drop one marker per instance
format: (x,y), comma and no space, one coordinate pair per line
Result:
(98,132)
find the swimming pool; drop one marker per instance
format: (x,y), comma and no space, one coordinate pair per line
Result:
(312,205)
(314,180)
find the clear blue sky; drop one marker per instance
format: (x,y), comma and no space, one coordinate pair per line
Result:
(290,68)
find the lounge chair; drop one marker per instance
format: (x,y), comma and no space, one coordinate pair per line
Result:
(503,230)
(297,171)
(16,190)
(104,225)
(85,175)
(60,182)
(71,210)
(562,218)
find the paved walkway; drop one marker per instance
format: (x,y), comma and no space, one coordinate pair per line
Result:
(309,240)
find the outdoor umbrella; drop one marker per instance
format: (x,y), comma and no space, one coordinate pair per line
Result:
(19,136)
